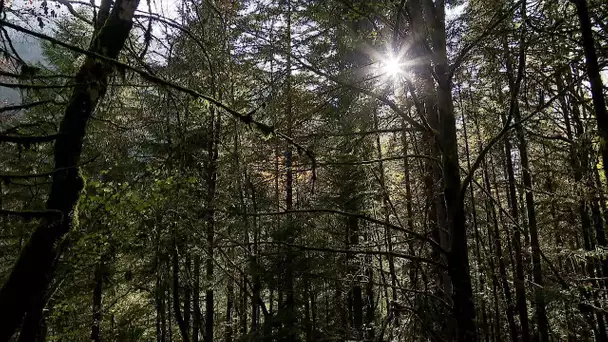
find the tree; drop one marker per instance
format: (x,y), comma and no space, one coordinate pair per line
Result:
(304,170)
(31,275)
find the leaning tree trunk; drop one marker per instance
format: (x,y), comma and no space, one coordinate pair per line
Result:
(595,79)
(33,271)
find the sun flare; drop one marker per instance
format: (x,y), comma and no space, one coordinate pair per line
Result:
(392,67)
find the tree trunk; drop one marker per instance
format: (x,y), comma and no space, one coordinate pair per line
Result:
(188,292)
(33,271)
(229,306)
(478,239)
(161,324)
(458,262)
(211,182)
(179,318)
(502,269)
(388,235)
(257,286)
(520,289)
(539,300)
(514,90)
(595,79)
(196,321)
(579,160)
(33,328)
(434,181)
(408,198)
(97,293)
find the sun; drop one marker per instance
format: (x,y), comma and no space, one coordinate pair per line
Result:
(392,66)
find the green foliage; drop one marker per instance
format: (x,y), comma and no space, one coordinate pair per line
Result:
(176,186)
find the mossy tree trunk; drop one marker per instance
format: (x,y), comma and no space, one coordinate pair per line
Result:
(33,270)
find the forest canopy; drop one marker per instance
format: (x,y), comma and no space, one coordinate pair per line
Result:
(303,170)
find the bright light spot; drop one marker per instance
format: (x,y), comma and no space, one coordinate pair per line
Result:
(392,67)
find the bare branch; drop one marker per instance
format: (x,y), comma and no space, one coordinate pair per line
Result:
(35,86)
(364,252)
(501,135)
(25,106)
(73,12)
(373,161)
(246,119)
(465,51)
(354,215)
(379,131)
(6,177)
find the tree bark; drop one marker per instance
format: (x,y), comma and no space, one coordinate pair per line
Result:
(289,306)
(196,319)
(595,79)
(458,262)
(211,182)
(510,310)
(97,297)
(539,301)
(33,328)
(179,318)
(514,81)
(161,324)
(478,239)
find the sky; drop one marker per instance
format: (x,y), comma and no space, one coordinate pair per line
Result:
(29,49)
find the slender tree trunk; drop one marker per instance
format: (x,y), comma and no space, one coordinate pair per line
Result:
(229,306)
(514,89)
(97,293)
(169,301)
(313,312)
(289,305)
(161,324)
(438,221)
(211,176)
(369,296)
(188,292)
(179,318)
(579,160)
(510,310)
(408,198)
(257,286)
(601,232)
(595,79)
(539,300)
(355,295)
(307,318)
(388,236)
(478,239)
(539,303)
(495,246)
(598,224)
(196,321)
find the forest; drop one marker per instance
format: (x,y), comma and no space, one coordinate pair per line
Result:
(304,170)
